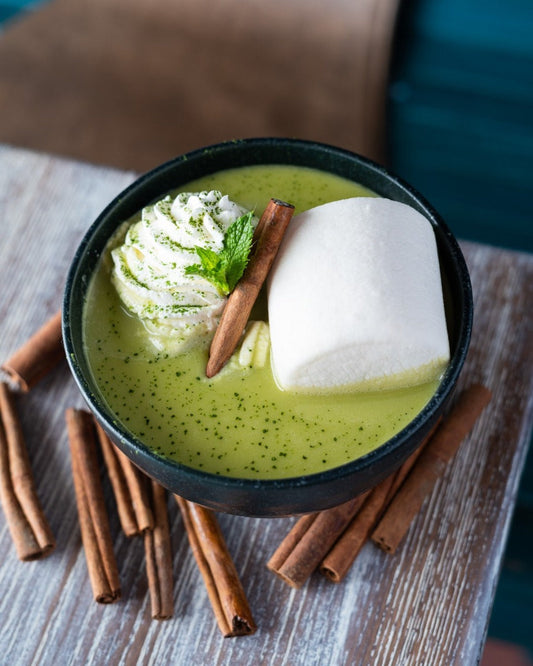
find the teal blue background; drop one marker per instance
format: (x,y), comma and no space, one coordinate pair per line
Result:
(9,9)
(461,114)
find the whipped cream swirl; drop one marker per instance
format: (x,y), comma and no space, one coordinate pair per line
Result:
(177,310)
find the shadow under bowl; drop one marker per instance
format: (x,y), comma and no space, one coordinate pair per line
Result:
(289,495)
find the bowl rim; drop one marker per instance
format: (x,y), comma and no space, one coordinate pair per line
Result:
(423,421)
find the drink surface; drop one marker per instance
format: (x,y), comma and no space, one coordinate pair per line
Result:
(239,423)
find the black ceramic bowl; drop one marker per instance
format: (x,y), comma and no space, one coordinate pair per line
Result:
(292,495)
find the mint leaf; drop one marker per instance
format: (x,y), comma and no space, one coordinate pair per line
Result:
(237,244)
(212,268)
(225,268)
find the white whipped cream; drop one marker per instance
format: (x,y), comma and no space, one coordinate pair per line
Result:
(149,267)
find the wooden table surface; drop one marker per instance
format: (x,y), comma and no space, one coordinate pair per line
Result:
(427,604)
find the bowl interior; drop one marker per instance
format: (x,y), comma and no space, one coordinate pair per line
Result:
(284,496)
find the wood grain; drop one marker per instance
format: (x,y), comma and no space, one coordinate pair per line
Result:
(428,604)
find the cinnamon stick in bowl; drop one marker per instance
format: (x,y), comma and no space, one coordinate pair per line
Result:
(36,357)
(269,234)
(31,534)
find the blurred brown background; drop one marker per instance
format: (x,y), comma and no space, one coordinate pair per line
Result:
(132,83)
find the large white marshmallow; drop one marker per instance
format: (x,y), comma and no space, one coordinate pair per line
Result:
(355,299)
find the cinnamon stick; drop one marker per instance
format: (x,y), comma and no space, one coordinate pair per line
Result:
(290,542)
(222,582)
(36,357)
(159,557)
(129,487)
(309,546)
(340,558)
(272,226)
(429,467)
(31,534)
(94,522)
(403,472)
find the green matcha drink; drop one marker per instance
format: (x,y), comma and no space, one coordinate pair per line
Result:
(239,423)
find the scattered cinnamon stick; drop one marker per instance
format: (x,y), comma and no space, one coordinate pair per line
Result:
(94,523)
(224,588)
(429,467)
(403,472)
(129,487)
(36,357)
(301,552)
(31,534)
(290,542)
(272,226)
(142,509)
(159,557)
(340,558)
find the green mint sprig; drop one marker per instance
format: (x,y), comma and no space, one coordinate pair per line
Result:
(225,268)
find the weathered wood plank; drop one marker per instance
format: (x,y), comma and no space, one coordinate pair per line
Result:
(429,603)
